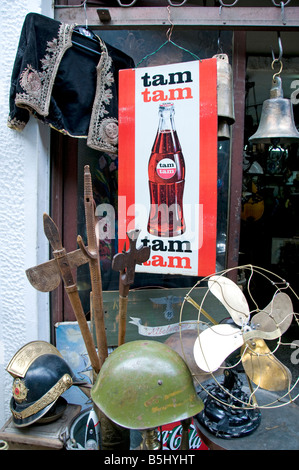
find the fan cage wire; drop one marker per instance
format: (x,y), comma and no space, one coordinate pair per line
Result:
(252,402)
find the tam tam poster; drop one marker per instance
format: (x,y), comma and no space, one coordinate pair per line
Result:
(167,186)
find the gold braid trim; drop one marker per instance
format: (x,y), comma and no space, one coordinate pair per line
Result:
(61,386)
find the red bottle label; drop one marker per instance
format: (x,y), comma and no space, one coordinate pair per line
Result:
(166,168)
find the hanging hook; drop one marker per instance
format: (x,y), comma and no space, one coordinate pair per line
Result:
(169,40)
(279,59)
(281,5)
(85,11)
(169,31)
(279,46)
(279,49)
(224,5)
(282,12)
(280,69)
(128,5)
(177,4)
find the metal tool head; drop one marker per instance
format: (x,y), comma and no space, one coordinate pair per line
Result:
(126,261)
(46,277)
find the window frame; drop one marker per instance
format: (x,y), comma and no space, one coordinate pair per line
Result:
(64,165)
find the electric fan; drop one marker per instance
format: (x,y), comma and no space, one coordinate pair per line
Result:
(243,346)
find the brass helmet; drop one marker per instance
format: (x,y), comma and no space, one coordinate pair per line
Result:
(145,384)
(41,376)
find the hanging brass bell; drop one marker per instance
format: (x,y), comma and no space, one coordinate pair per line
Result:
(277,120)
(225,101)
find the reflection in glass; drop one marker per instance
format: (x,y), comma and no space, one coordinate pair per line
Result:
(144,47)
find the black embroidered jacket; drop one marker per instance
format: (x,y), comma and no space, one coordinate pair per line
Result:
(70,89)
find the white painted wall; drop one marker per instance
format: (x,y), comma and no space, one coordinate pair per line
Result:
(24,196)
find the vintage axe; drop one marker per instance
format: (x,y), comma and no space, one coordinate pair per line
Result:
(125,263)
(113,436)
(47,276)
(92,254)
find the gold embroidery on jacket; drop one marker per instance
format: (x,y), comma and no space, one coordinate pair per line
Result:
(37,85)
(97,137)
(16,124)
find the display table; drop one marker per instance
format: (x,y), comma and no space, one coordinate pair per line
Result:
(48,436)
(278,430)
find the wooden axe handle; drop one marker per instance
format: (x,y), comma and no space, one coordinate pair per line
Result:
(61,257)
(76,304)
(94,267)
(122,321)
(125,263)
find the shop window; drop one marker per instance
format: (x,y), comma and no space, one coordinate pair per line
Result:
(144,47)
(269,220)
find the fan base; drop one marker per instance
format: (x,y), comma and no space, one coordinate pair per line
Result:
(223,414)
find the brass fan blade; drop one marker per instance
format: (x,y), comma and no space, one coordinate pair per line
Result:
(232,297)
(215,344)
(263,368)
(278,314)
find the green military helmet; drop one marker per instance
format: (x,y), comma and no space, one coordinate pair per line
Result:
(145,384)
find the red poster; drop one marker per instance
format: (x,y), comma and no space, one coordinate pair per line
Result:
(168,164)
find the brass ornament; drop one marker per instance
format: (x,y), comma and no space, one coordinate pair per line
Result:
(150,440)
(19,390)
(22,360)
(60,387)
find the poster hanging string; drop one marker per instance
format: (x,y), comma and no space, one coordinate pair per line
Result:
(169,41)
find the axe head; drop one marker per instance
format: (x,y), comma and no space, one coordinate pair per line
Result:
(126,261)
(46,276)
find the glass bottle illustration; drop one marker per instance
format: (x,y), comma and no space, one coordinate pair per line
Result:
(166,173)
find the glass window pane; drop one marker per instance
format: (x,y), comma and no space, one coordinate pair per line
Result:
(144,46)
